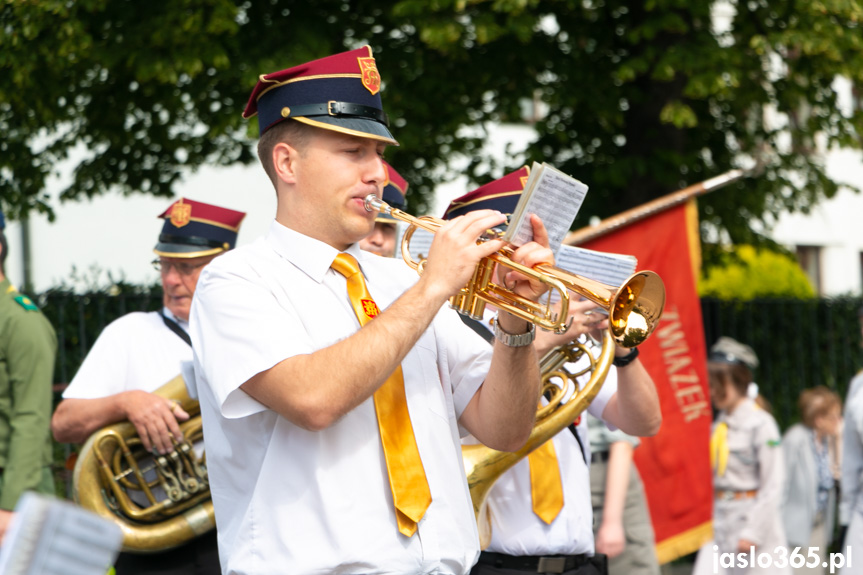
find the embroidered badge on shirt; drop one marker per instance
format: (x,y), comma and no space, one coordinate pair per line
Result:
(773,442)
(370,308)
(26,303)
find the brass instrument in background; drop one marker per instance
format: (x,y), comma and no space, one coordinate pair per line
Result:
(633,309)
(484,465)
(112,464)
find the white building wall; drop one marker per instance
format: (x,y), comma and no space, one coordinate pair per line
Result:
(116,234)
(835,225)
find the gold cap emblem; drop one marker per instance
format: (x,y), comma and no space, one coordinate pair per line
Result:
(181,214)
(371,78)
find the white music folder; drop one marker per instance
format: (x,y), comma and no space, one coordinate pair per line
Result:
(48,536)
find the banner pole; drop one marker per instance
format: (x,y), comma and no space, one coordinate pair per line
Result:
(637,213)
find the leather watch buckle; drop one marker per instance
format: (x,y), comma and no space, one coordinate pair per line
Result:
(551,565)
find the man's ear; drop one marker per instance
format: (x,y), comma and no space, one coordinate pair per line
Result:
(284,156)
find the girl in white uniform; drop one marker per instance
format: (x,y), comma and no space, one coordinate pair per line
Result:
(748,473)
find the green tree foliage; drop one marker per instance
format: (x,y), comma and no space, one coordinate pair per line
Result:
(749,273)
(643,98)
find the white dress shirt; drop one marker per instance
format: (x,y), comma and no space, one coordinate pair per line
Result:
(135,351)
(289,500)
(516,529)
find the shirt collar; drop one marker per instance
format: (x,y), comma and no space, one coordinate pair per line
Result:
(741,412)
(312,257)
(181,322)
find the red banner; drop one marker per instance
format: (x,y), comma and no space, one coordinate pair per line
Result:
(674,464)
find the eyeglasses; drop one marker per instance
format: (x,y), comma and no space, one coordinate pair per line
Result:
(183,268)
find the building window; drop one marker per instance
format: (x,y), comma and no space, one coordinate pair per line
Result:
(809,258)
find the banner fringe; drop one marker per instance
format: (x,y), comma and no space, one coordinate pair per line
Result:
(684,543)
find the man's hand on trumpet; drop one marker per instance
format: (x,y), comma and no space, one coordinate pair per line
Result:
(583,318)
(455,252)
(530,254)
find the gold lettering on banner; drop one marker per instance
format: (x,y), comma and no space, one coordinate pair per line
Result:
(682,377)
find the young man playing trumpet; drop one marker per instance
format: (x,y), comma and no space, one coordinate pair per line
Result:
(333,439)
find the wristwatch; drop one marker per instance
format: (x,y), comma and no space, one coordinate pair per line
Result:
(514,340)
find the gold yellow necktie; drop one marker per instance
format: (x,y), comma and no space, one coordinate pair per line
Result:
(546,489)
(407,477)
(719,448)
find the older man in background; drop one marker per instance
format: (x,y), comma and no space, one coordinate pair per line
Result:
(141,351)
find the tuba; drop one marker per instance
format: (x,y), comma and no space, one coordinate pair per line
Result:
(565,402)
(633,308)
(159,501)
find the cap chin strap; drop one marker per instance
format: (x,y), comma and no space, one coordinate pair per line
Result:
(337,109)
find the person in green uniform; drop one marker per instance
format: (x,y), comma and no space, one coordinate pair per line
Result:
(28,347)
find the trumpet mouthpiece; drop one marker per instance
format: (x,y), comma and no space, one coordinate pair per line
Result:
(373,203)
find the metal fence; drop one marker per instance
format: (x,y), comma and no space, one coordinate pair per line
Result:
(800,343)
(79,319)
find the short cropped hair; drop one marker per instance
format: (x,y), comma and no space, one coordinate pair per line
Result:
(290,132)
(817,402)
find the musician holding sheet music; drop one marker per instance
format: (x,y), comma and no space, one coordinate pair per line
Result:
(531,531)
(333,387)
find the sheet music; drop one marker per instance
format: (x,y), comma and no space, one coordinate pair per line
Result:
(48,536)
(555,197)
(608,268)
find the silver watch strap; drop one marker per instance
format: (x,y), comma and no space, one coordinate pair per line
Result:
(514,340)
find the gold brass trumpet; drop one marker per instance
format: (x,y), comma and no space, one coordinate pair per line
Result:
(633,309)
(159,501)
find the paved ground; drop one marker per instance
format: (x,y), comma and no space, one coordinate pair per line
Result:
(677,569)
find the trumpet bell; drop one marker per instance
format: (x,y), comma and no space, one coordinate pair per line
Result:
(566,400)
(635,308)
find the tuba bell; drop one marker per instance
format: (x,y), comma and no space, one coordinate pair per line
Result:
(159,501)
(565,402)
